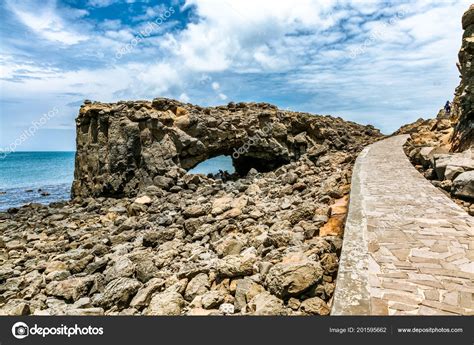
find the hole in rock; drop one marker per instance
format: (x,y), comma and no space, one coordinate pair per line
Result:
(216,166)
(227,167)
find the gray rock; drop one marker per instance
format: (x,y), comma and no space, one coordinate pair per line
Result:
(463,185)
(291,279)
(119,292)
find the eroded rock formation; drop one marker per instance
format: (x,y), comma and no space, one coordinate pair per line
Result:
(122,148)
(442,149)
(267,243)
(463,136)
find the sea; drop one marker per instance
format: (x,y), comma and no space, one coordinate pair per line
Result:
(45,177)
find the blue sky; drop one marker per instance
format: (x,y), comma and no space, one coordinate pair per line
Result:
(377,62)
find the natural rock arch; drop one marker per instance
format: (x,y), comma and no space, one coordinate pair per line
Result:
(124,147)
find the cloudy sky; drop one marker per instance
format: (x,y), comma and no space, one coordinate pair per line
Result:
(383,63)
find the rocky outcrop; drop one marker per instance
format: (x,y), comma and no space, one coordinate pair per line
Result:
(125,147)
(266,243)
(443,148)
(463,136)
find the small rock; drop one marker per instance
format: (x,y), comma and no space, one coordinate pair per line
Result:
(227,308)
(143,200)
(197,286)
(266,304)
(314,306)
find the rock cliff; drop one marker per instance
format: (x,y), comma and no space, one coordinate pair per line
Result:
(122,148)
(463,136)
(442,149)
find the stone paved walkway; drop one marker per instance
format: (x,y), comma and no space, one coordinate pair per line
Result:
(408,248)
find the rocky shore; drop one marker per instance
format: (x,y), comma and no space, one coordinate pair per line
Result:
(143,237)
(442,149)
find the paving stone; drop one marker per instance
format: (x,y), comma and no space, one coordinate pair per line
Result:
(432,295)
(419,250)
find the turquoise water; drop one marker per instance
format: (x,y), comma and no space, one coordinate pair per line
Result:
(22,174)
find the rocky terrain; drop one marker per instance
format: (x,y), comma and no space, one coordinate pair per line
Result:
(143,237)
(442,149)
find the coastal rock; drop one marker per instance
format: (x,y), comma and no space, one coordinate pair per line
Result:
(315,306)
(151,145)
(293,278)
(197,286)
(266,304)
(144,237)
(119,292)
(235,265)
(70,289)
(166,303)
(463,185)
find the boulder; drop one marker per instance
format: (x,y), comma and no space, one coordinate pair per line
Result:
(165,303)
(122,267)
(235,265)
(143,296)
(70,289)
(143,200)
(119,292)
(462,160)
(314,306)
(266,304)
(197,286)
(288,279)
(212,299)
(463,185)
(246,289)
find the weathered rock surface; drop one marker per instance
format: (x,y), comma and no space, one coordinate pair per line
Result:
(443,148)
(463,104)
(176,244)
(463,185)
(123,148)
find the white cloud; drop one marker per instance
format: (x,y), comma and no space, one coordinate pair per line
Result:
(297,55)
(44,21)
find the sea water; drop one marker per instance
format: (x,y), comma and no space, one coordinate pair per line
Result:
(25,175)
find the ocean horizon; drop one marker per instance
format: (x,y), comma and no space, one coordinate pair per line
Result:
(46,176)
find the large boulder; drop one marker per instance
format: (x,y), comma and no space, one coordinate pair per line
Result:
(463,185)
(235,265)
(452,162)
(288,279)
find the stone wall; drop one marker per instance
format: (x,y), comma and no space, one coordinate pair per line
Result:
(124,147)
